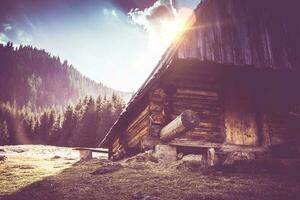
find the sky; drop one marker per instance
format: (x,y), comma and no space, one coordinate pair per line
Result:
(115,42)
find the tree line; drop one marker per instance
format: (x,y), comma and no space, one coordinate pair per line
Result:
(33,77)
(82,124)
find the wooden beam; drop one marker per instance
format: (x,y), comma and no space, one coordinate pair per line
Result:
(195,97)
(184,91)
(223,147)
(184,122)
(100,150)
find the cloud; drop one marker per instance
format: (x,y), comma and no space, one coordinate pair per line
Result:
(7,27)
(15,34)
(160,21)
(150,18)
(19,37)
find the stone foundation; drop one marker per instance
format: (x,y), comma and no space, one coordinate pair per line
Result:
(165,153)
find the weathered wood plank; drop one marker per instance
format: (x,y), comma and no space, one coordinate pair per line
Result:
(202,111)
(193,84)
(207,103)
(203,136)
(138,127)
(277,124)
(100,150)
(144,114)
(224,147)
(115,149)
(198,104)
(184,91)
(134,141)
(116,143)
(195,99)
(201,130)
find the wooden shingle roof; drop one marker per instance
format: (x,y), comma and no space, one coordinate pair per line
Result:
(258,33)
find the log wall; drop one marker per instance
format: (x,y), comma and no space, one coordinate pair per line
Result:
(207,104)
(144,123)
(278,129)
(282,128)
(235,107)
(158,104)
(138,128)
(129,137)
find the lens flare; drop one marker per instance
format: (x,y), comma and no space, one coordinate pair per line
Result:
(169,31)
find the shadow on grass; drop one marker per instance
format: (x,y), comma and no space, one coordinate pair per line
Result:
(56,186)
(42,189)
(39,190)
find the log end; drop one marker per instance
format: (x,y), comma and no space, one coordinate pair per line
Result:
(184,122)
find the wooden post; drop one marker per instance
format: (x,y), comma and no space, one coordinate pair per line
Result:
(184,122)
(211,157)
(266,141)
(85,155)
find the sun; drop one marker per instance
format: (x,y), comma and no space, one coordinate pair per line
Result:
(170,30)
(160,39)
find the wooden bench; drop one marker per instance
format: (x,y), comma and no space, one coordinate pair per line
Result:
(87,153)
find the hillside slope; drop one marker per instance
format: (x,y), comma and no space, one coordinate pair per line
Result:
(32,76)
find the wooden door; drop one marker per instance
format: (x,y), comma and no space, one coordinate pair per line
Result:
(240,115)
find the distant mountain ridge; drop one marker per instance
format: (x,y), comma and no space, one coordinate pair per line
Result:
(29,76)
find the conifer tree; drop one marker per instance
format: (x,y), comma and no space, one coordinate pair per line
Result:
(67,126)
(4,135)
(55,132)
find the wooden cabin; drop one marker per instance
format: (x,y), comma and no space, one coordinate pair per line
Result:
(230,80)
